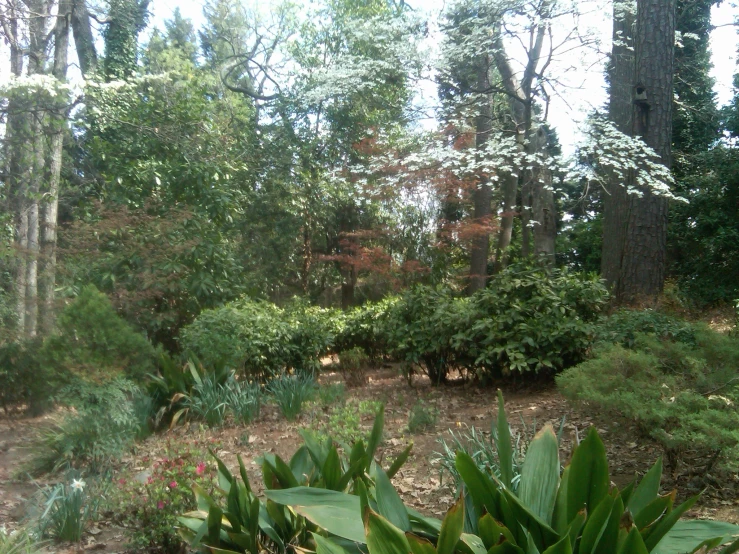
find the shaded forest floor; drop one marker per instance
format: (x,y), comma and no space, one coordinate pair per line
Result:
(419,481)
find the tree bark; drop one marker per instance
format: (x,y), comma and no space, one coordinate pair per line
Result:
(483,194)
(543,211)
(83,40)
(616,200)
(643,268)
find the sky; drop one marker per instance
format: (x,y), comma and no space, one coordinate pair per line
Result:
(581,90)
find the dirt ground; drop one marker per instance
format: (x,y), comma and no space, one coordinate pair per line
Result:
(418,482)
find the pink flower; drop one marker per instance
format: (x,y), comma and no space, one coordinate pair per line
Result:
(160,505)
(173,485)
(200,469)
(150,480)
(121,481)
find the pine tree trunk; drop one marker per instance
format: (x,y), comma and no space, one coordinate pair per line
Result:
(510,190)
(483,194)
(543,210)
(643,268)
(83,40)
(615,199)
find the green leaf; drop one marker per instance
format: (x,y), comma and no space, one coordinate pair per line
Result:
(504,444)
(215,515)
(506,548)
(389,503)
(419,545)
(451,528)
(667,522)
(242,471)
(327,546)
(540,475)
(588,480)
(596,524)
(653,511)
(375,437)
(647,490)
(687,535)
(560,521)
(634,544)
(399,461)
(383,537)
(225,479)
(336,512)
(561,547)
(332,469)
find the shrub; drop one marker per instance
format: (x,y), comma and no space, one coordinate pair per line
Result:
(26,381)
(207,401)
(95,342)
(101,428)
(623,326)
(66,511)
(290,392)
(422,418)
(345,422)
(532,319)
(682,395)
(353,365)
(312,334)
(331,394)
(148,505)
(366,327)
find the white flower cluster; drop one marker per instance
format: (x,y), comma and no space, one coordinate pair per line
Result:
(607,151)
(35,84)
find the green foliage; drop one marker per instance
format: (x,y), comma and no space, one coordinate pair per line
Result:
(19,541)
(67,509)
(94,341)
(258,339)
(345,422)
(207,401)
(243,400)
(148,503)
(310,485)
(422,417)
(25,380)
(623,327)
(571,511)
(332,394)
(683,395)
(366,327)
(290,392)
(353,364)
(103,425)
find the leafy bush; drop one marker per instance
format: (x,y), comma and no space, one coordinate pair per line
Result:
(26,381)
(366,327)
(148,505)
(103,425)
(66,511)
(532,319)
(95,342)
(290,392)
(422,418)
(258,339)
(345,422)
(623,326)
(353,365)
(682,395)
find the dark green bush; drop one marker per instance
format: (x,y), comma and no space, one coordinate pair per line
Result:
(623,326)
(532,319)
(684,395)
(366,327)
(95,342)
(353,365)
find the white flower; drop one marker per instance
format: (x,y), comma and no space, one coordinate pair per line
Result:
(78,484)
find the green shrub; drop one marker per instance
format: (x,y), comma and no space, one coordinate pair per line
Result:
(95,342)
(345,422)
(531,319)
(623,326)
(353,365)
(366,327)
(422,417)
(148,503)
(103,425)
(682,395)
(313,332)
(332,394)
(26,381)
(290,392)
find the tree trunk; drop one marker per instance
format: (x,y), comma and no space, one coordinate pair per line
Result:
(643,268)
(543,210)
(483,194)
(49,208)
(615,198)
(510,190)
(83,40)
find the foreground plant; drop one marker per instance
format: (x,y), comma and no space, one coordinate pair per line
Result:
(18,541)
(67,510)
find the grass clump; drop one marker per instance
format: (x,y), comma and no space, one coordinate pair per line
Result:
(243,400)
(332,394)
(290,392)
(422,417)
(66,510)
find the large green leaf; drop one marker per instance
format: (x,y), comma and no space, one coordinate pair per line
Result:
(327,546)
(419,545)
(647,490)
(504,444)
(375,437)
(451,528)
(588,479)
(687,534)
(389,503)
(633,544)
(660,529)
(383,537)
(336,512)
(561,547)
(540,475)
